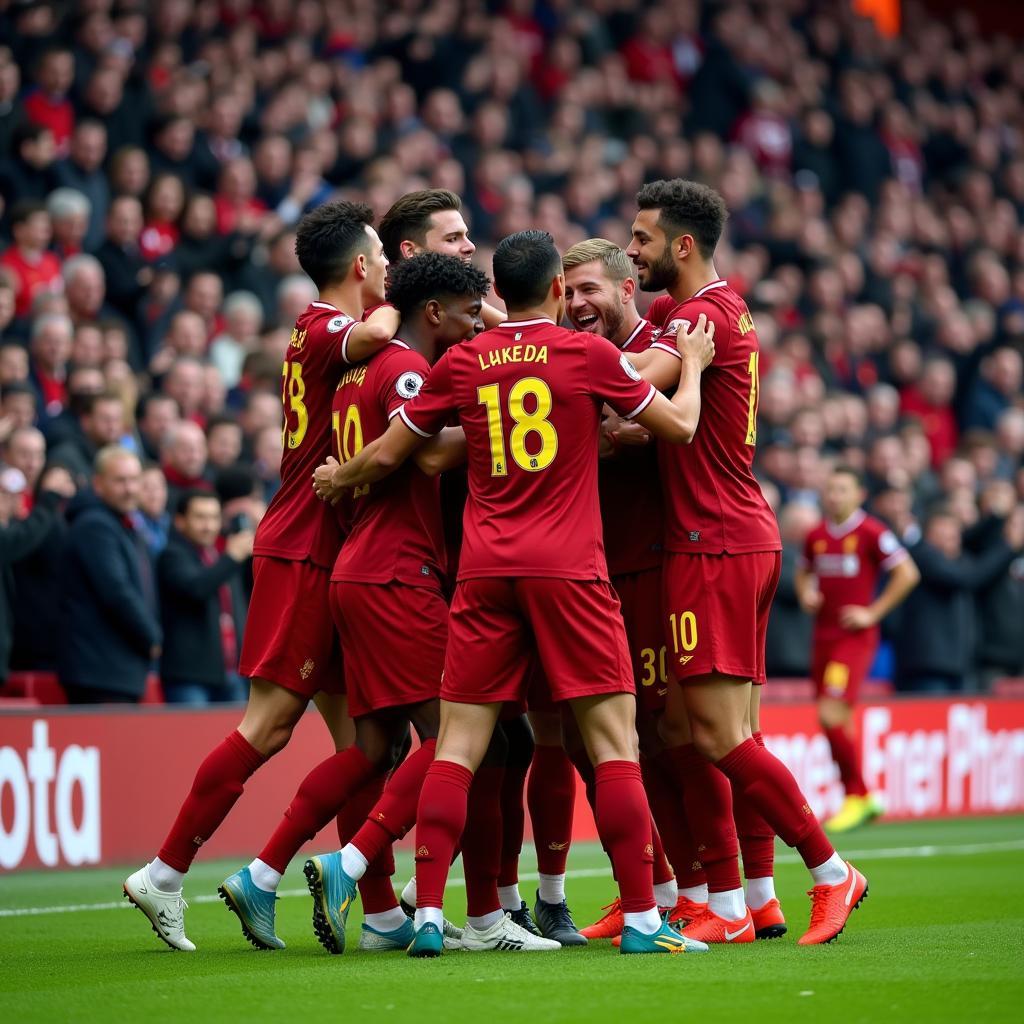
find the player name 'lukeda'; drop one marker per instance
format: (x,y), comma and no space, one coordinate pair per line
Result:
(513,354)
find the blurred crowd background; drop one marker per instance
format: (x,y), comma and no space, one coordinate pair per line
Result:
(155,158)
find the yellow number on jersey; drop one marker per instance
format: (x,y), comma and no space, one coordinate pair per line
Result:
(293,391)
(649,657)
(348,440)
(684,631)
(525,424)
(752,404)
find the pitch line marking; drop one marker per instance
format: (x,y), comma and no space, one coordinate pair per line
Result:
(890,853)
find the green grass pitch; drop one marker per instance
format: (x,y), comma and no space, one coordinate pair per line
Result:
(940,938)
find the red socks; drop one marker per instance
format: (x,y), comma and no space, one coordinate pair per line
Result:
(482,841)
(767,783)
(846,755)
(707,798)
(670,817)
(317,801)
(624,823)
(395,812)
(218,784)
(440,820)
(757,839)
(513,820)
(551,794)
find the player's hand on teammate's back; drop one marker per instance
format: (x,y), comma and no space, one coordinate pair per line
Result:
(627,433)
(855,616)
(323,481)
(239,545)
(810,599)
(698,340)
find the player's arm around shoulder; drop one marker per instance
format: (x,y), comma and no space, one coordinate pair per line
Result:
(372,334)
(676,419)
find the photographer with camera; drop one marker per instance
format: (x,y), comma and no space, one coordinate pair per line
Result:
(204,603)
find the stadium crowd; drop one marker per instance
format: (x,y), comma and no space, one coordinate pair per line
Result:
(156,158)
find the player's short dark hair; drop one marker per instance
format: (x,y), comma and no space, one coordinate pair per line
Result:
(433,275)
(686,207)
(524,265)
(851,471)
(186,498)
(24,210)
(409,218)
(329,238)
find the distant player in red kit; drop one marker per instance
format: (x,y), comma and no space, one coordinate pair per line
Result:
(844,558)
(289,651)
(720,573)
(533,581)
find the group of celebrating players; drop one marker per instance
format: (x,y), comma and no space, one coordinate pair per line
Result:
(609,613)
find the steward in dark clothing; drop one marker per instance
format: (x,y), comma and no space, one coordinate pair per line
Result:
(111,628)
(788,644)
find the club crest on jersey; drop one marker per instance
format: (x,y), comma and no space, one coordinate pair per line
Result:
(338,323)
(630,369)
(409,384)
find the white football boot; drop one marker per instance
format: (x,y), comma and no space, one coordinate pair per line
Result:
(507,937)
(165,910)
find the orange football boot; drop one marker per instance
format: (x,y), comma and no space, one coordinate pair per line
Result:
(831,907)
(685,911)
(768,920)
(711,928)
(608,926)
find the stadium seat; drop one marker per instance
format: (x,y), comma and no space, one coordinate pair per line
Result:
(41,687)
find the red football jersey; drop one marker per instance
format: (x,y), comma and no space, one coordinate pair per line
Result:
(713,503)
(298,525)
(630,493)
(529,395)
(848,560)
(395,529)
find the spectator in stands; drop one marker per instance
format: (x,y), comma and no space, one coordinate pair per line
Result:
(185,384)
(937,640)
(83,172)
(183,460)
(111,629)
(17,406)
(33,268)
(48,104)
(155,414)
(26,175)
(49,351)
(100,423)
(127,273)
(69,213)
(788,645)
(203,604)
(152,519)
(997,387)
(20,538)
(223,442)
(243,321)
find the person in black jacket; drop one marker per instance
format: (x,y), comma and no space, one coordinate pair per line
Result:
(203,604)
(19,538)
(936,645)
(111,628)
(788,645)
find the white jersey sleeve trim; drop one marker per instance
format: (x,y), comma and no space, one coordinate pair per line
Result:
(670,349)
(643,405)
(409,423)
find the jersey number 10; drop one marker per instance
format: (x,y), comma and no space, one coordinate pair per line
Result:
(525,424)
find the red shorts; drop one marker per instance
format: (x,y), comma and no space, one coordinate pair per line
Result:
(716,612)
(393,638)
(840,664)
(289,636)
(640,594)
(498,624)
